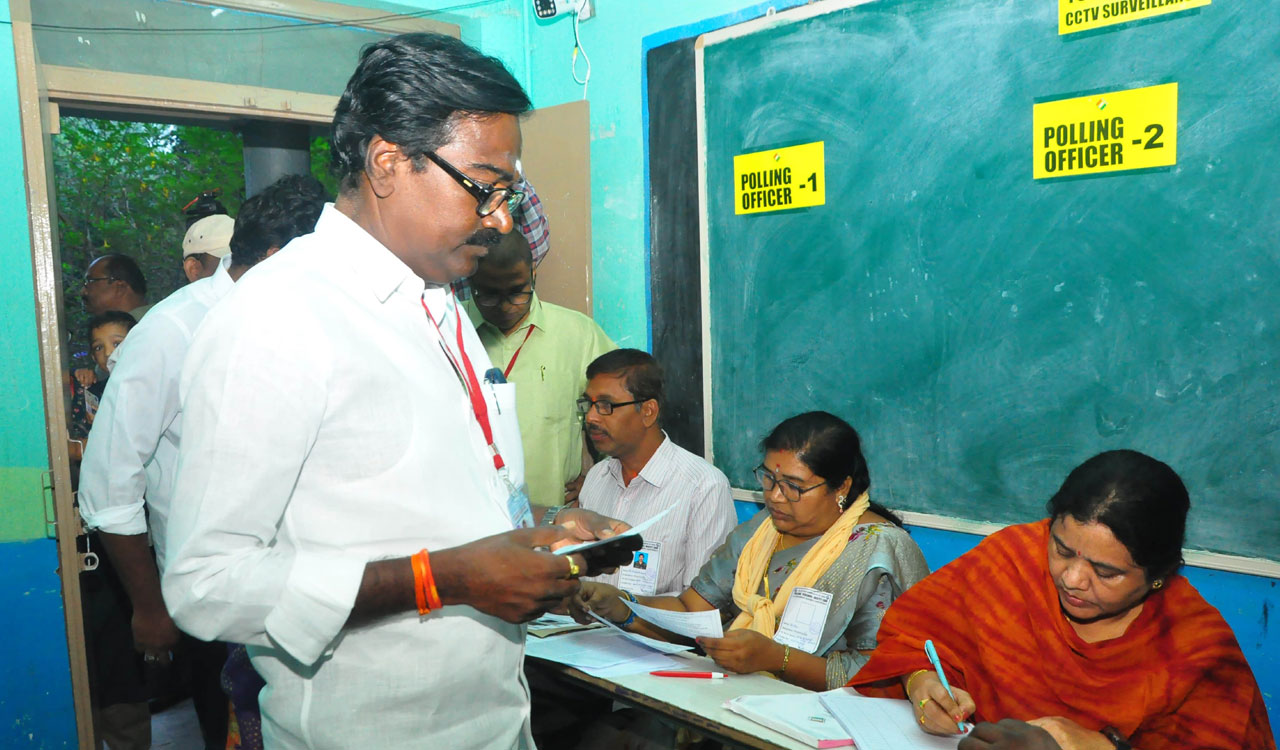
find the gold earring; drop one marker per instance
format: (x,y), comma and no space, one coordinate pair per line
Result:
(1157,583)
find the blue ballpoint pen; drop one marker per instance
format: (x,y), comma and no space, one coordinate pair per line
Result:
(932,653)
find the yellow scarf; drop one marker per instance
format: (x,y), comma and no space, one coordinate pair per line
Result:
(760,613)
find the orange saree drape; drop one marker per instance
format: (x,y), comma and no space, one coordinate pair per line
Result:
(1176,679)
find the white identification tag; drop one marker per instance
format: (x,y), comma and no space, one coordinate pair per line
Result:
(518,508)
(804,619)
(641,576)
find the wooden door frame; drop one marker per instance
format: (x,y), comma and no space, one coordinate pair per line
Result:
(42,89)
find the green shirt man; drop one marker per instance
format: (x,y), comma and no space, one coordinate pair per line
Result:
(544,349)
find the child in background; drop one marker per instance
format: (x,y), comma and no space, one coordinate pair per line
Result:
(106,331)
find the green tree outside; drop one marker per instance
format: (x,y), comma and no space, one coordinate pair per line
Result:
(121,187)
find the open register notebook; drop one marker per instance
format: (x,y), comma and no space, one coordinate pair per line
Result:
(799,716)
(841,718)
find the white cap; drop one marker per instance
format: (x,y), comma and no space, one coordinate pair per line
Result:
(211,235)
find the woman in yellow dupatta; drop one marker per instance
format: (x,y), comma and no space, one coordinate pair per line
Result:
(819,540)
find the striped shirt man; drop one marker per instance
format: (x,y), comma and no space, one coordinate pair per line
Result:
(701,516)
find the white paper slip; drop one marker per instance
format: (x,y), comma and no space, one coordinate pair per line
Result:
(800,716)
(656,645)
(633,531)
(804,619)
(551,624)
(649,663)
(592,649)
(882,723)
(689,624)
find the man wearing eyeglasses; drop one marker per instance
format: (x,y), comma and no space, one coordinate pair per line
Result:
(646,473)
(544,349)
(114,282)
(342,506)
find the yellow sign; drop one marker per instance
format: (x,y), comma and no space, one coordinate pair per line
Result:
(1082,15)
(1114,132)
(792,177)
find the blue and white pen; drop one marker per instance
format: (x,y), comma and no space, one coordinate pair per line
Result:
(932,653)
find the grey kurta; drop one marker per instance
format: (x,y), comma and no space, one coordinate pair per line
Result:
(879,563)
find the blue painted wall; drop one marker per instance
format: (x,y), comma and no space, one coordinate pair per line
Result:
(35,683)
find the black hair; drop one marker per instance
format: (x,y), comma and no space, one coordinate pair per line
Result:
(111,317)
(1143,501)
(204,205)
(123,268)
(410,89)
(831,448)
(287,208)
(512,250)
(640,372)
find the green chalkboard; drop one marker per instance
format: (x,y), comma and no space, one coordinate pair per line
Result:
(985,332)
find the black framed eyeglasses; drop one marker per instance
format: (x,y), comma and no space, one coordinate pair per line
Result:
(494,299)
(488,198)
(90,279)
(604,408)
(791,491)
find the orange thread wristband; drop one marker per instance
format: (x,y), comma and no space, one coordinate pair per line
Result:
(419,582)
(429,579)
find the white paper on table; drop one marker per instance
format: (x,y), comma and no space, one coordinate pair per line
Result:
(633,531)
(592,649)
(882,723)
(551,624)
(635,666)
(653,643)
(803,619)
(689,624)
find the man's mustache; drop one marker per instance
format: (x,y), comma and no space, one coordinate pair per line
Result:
(486,237)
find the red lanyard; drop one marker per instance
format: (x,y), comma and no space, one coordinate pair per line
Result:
(471,384)
(507,372)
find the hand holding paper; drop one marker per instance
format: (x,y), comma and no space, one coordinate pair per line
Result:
(689,624)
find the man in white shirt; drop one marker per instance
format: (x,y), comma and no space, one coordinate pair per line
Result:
(646,473)
(345,510)
(130,460)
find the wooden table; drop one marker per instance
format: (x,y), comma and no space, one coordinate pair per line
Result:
(692,703)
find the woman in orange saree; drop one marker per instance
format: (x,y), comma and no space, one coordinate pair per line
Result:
(1076,632)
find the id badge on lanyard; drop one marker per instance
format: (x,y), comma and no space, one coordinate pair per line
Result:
(518,509)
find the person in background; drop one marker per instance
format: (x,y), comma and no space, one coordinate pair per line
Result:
(544,349)
(819,532)
(1076,632)
(206,243)
(130,461)
(267,222)
(117,678)
(114,282)
(106,332)
(200,263)
(646,473)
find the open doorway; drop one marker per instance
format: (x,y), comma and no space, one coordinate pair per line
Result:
(127,192)
(224,64)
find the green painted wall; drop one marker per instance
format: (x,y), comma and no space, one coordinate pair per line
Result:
(23,451)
